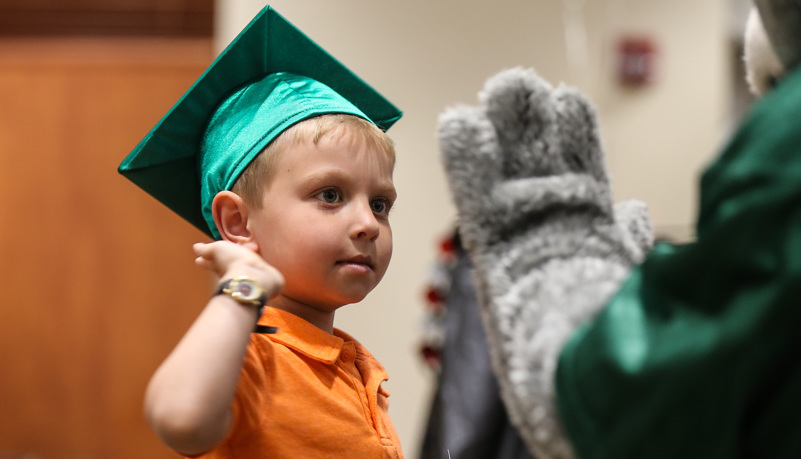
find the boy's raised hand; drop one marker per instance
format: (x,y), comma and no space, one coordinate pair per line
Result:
(188,400)
(227,260)
(527,174)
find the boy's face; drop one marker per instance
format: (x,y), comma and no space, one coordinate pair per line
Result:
(324,220)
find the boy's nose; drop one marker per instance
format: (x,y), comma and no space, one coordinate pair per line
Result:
(365,225)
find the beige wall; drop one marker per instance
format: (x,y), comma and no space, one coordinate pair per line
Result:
(425,55)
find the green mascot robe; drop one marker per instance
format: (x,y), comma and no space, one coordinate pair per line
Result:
(699,353)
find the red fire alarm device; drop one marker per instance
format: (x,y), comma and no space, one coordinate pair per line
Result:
(636,61)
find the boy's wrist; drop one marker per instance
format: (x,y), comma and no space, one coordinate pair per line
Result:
(247,292)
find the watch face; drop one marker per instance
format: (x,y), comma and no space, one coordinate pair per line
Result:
(245,290)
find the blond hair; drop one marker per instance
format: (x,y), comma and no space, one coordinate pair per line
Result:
(257,175)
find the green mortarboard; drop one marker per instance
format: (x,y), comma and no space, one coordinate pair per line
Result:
(270,77)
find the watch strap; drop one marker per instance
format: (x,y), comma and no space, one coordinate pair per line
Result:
(231,287)
(244,290)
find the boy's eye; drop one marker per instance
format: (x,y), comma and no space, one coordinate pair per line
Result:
(329,196)
(379,206)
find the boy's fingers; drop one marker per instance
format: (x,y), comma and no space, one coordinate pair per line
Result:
(227,259)
(218,255)
(204,263)
(204,250)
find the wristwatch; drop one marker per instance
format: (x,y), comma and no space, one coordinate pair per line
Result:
(244,290)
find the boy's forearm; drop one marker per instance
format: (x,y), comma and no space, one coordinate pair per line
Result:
(188,400)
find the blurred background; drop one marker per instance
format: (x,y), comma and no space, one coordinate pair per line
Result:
(99,282)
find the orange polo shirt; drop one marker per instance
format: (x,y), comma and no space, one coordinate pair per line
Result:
(305,393)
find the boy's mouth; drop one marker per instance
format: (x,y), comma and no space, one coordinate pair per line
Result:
(358,260)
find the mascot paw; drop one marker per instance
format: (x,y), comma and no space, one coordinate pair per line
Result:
(527,174)
(527,156)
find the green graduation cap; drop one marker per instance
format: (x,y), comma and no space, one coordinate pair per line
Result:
(270,77)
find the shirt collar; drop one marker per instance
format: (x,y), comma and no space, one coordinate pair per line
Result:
(302,336)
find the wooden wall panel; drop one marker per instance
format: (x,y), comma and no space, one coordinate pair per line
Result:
(98,277)
(175,18)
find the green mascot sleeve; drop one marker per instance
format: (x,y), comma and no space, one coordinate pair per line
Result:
(699,353)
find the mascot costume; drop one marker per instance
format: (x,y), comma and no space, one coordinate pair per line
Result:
(604,344)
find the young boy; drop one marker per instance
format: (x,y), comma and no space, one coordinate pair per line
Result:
(295,182)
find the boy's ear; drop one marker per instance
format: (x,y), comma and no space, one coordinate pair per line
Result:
(230,214)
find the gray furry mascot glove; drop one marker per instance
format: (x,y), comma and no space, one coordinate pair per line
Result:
(527,173)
